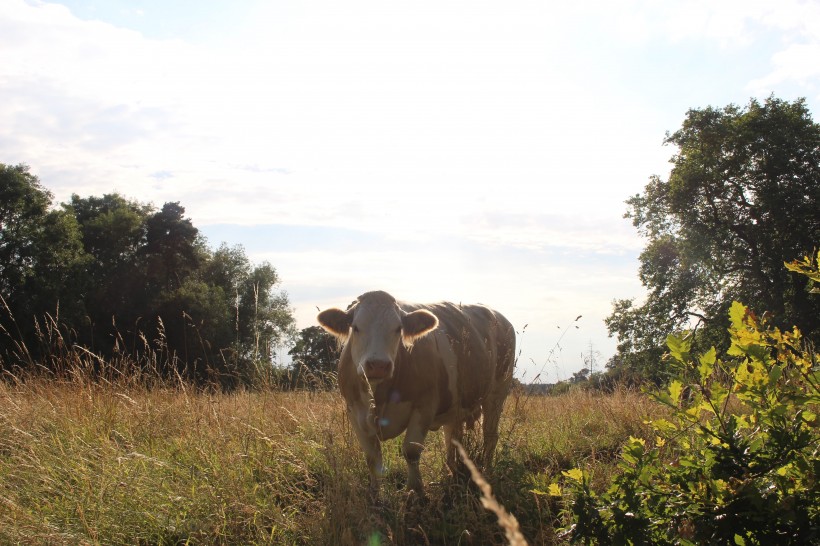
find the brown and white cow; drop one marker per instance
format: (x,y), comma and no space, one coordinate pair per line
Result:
(415,368)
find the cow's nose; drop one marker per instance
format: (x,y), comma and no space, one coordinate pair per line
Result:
(378,369)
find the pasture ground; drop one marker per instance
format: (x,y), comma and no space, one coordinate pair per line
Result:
(97,462)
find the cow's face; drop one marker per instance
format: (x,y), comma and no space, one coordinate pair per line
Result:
(373,328)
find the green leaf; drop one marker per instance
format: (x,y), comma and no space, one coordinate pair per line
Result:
(737,314)
(629,457)
(664,398)
(757,444)
(707,363)
(705,407)
(663,425)
(574,474)
(781,410)
(675,390)
(678,347)
(719,393)
(774,375)
(783,470)
(689,463)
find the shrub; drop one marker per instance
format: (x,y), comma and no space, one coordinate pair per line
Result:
(735,463)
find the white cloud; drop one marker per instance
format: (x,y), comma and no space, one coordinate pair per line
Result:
(798,63)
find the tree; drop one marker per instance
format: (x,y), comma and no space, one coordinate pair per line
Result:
(23,207)
(173,248)
(42,262)
(117,297)
(315,358)
(580,376)
(112,227)
(197,324)
(227,318)
(265,317)
(742,199)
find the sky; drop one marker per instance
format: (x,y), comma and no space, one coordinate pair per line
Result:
(440,150)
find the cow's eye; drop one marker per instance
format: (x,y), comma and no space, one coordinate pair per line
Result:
(355,329)
(398,330)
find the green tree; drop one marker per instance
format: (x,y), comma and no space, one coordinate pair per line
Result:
(315,358)
(261,315)
(227,319)
(42,262)
(265,318)
(173,248)
(741,199)
(117,298)
(24,204)
(113,228)
(197,325)
(226,267)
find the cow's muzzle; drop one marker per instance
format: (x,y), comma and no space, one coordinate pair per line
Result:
(375,370)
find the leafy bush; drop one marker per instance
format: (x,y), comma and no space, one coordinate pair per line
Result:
(735,463)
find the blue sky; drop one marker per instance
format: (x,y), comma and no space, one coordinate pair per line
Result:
(470,151)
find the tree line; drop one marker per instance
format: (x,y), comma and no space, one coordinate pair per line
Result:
(116,276)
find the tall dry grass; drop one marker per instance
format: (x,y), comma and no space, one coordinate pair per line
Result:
(85,460)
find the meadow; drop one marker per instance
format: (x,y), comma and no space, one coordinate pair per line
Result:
(112,461)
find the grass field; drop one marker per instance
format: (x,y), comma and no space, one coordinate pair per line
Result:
(100,462)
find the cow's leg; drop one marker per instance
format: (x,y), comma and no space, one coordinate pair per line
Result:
(412,447)
(493,403)
(370,445)
(453,432)
(491,409)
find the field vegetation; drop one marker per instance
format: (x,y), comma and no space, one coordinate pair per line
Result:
(103,459)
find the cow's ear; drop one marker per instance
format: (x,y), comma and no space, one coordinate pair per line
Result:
(416,325)
(335,321)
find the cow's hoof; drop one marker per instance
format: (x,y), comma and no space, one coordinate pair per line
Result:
(415,498)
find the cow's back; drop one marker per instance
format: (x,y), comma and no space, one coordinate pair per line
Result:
(475,342)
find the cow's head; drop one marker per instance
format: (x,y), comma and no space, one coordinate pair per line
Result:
(372,329)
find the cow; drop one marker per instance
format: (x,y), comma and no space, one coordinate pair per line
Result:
(412,368)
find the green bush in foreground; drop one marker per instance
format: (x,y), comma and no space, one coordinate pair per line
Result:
(735,463)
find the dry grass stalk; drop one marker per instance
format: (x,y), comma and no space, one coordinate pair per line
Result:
(506,520)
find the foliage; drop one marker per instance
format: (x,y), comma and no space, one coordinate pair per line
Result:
(742,197)
(737,461)
(115,275)
(41,258)
(808,268)
(23,207)
(172,249)
(315,357)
